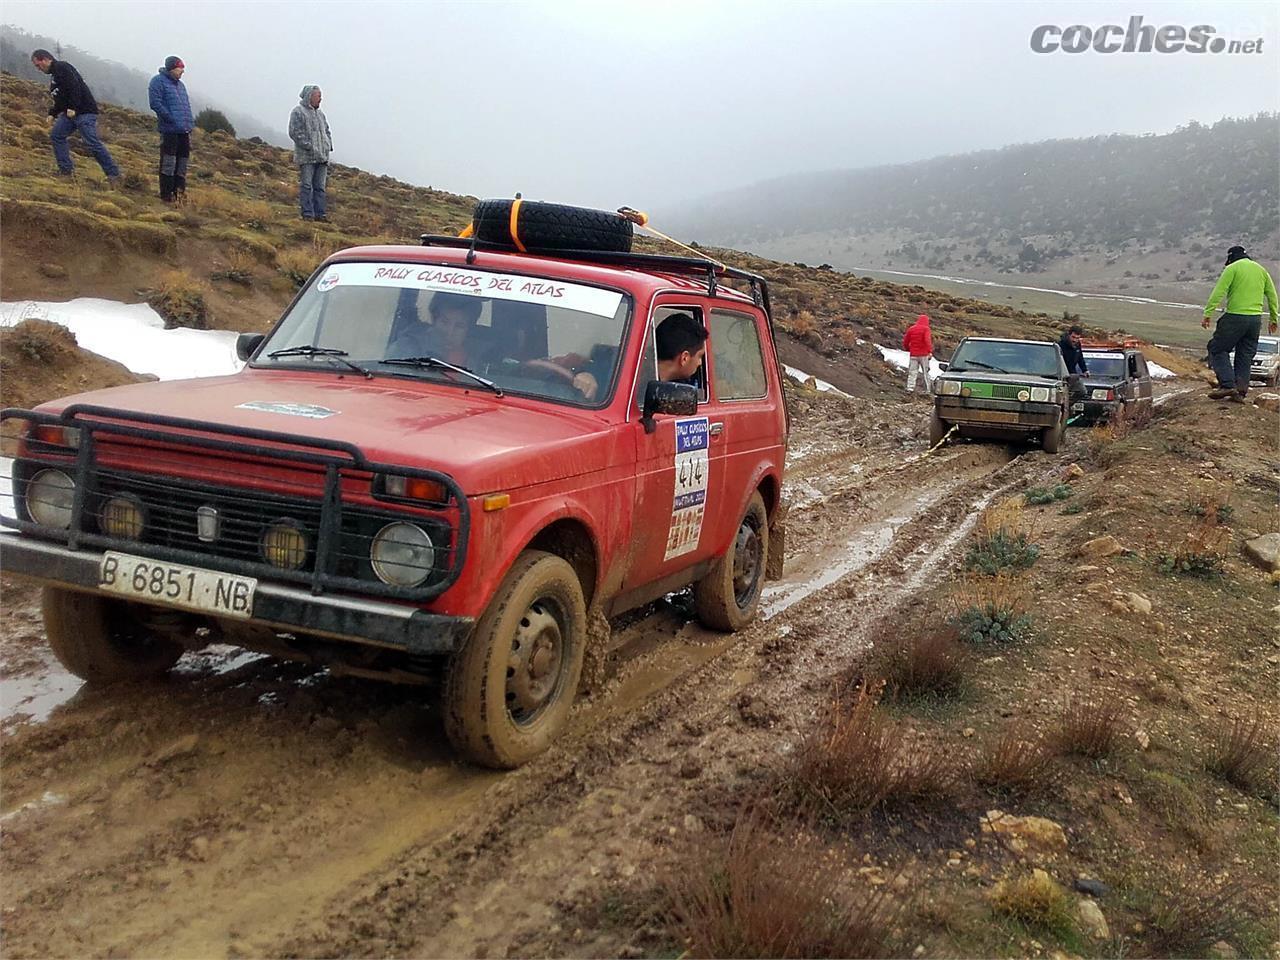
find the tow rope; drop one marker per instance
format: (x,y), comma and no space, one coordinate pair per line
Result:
(642,220)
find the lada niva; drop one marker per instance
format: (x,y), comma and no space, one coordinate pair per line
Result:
(449,455)
(1118,379)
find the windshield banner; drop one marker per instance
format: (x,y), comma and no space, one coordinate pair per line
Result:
(501,286)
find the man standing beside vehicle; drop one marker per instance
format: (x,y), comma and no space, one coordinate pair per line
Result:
(168,99)
(1071,351)
(1244,283)
(74,108)
(312,144)
(918,342)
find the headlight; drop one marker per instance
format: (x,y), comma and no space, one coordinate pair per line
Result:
(1100,394)
(1040,394)
(49,497)
(950,388)
(1024,395)
(121,517)
(402,554)
(285,546)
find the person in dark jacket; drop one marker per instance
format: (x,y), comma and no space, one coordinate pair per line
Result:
(168,99)
(1071,352)
(74,109)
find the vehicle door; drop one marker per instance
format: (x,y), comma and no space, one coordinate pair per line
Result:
(1141,376)
(678,469)
(746,421)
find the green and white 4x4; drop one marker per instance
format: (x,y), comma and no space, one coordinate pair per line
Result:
(1004,390)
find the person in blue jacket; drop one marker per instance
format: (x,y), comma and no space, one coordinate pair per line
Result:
(169,101)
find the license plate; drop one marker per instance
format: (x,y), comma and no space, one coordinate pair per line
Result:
(210,591)
(1077,406)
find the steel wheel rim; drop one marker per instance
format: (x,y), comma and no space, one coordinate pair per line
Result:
(746,563)
(535,662)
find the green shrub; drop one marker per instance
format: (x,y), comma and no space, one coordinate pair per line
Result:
(999,551)
(211,121)
(1037,496)
(991,611)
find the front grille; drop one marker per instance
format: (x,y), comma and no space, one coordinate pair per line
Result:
(1003,391)
(327,545)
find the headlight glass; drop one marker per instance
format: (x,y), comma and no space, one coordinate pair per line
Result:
(402,554)
(49,498)
(1099,394)
(1040,394)
(950,388)
(122,517)
(285,546)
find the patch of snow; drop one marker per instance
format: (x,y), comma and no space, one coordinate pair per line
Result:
(795,373)
(900,359)
(1158,372)
(133,334)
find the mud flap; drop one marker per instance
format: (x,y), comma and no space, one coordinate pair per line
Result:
(777,544)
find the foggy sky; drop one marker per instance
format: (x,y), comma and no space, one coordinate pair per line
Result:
(648,103)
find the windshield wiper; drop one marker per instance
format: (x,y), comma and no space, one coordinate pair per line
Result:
(330,353)
(979,363)
(438,364)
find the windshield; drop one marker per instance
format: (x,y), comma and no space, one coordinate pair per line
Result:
(527,335)
(1001,356)
(1268,346)
(1105,365)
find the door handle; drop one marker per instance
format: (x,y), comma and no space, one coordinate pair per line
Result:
(717,429)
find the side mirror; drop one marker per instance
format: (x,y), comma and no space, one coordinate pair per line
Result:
(944,364)
(663,396)
(247,343)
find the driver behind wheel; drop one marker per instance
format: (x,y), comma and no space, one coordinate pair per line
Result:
(453,319)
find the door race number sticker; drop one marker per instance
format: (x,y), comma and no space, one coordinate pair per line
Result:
(693,470)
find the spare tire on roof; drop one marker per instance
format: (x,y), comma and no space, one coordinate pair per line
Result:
(550,227)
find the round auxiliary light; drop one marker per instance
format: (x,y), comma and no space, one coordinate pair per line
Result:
(122,517)
(284,545)
(1024,395)
(402,554)
(965,391)
(49,498)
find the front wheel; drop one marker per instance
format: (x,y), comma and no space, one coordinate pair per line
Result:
(102,640)
(1051,438)
(728,597)
(509,689)
(937,429)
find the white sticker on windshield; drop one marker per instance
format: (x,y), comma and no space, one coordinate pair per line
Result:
(480,283)
(689,502)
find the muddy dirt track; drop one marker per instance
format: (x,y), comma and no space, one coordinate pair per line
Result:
(249,807)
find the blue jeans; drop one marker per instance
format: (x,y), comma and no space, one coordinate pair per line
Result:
(312,178)
(87,124)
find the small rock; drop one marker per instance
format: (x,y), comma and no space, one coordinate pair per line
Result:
(692,824)
(1073,471)
(1139,604)
(1264,551)
(54,271)
(1092,922)
(1123,796)
(199,849)
(967,732)
(1222,951)
(179,747)
(1100,547)
(1025,833)
(918,951)
(1268,401)
(1143,738)
(1094,888)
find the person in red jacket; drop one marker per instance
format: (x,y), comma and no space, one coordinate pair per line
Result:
(918,342)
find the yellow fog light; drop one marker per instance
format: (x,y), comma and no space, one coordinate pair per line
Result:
(1024,395)
(965,391)
(122,517)
(284,546)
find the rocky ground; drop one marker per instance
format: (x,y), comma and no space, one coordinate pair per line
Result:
(245,807)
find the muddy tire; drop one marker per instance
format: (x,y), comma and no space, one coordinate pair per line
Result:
(509,690)
(728,597)
(102,640)
(1051,437)
(937,429)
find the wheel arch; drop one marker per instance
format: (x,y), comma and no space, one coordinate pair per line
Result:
(570,539)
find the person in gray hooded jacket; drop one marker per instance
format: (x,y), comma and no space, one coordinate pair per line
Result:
(312,143)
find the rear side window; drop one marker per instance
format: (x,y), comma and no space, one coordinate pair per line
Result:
(736,358)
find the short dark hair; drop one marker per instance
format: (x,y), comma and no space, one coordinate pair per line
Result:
(41,54)
(466,304)
(1075,328)
(678,333)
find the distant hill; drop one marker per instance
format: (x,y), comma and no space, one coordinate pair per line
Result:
(113,82)
(1159,206)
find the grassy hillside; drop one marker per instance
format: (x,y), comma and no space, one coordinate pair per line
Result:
(235,254)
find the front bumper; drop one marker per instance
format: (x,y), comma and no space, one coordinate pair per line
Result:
(289,609)
(1095,409)
(1010,415)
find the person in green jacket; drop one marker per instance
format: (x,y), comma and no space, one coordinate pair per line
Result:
(1244,284)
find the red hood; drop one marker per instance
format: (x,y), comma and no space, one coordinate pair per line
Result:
(473,436)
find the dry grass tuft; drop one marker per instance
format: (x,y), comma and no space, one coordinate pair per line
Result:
(297,264)
(1089,728)
(1017,765)
(923,663)
(180,300)
(1202,553)
(1244,756)
(1034,899)
(763,892)
(856,760)
(991,610)
(1002,541)
(1194,913)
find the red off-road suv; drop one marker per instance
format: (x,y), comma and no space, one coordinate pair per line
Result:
(448,454)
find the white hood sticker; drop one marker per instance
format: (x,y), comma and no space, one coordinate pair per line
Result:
(309,410)
(502,286)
